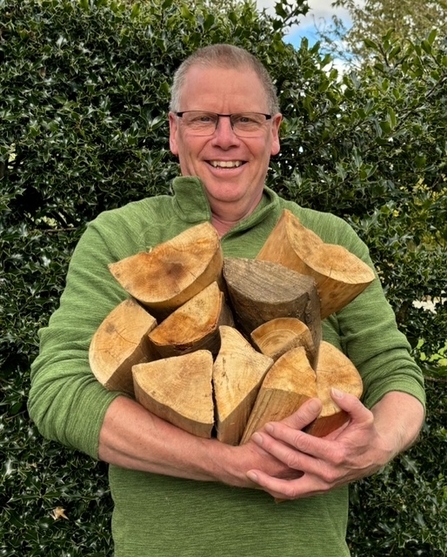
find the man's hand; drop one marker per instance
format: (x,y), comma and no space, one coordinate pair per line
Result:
(360,448)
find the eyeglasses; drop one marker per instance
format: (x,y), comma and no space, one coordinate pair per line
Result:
(243,124)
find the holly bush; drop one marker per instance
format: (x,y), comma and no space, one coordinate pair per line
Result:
(84,89)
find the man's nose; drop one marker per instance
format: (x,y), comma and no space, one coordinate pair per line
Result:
(224,134)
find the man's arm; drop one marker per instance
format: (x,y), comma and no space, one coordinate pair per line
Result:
(133,438)
(366,444)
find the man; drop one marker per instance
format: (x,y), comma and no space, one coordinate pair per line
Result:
(176,494)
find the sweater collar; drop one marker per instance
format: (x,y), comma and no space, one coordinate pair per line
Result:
(191,203)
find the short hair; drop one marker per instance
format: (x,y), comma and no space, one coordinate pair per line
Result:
(228,57)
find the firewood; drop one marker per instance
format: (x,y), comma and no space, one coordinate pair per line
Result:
(274,338)
(237,375)
(119,343)
(179,390)
(194,325)
(171,273)
(340,275)
(260,291)
(287,385)
(334,369)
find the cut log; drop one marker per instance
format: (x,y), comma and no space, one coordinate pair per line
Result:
(260,291)
(340,275)
(193,326)
(288,384)
(237,375)
(277,336)
(119,343)
(179,390)
(170,274)
(334,370)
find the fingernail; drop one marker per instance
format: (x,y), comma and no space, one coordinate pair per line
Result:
(314,405)
(337,393)
(257,438)
(252,476)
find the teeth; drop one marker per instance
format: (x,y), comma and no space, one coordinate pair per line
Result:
(226,164)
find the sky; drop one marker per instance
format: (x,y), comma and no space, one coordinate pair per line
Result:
(319,12)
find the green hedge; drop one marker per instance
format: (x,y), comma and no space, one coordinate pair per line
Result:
(84,90)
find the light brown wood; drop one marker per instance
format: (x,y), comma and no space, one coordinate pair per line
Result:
(260,291)
(194,325)
(119,343)
(334,370)
(274,338)
(340,275)
(170,274)
(179,390)
(237,375)
(288,384)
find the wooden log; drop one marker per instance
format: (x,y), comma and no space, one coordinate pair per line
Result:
(179,390)
(193,326)
(340,275)
(334,370)
(288,384)
(171,273)
(237,375)
(119,343)
(260,291)
(274,338)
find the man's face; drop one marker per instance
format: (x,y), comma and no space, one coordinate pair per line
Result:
(232,168)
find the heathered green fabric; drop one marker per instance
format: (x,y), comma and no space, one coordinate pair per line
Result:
(160,516)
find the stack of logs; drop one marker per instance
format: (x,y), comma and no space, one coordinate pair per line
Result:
(219,346)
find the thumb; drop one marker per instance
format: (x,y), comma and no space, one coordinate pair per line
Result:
(306,414)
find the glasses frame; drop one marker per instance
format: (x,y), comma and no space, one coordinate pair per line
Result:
(230,116)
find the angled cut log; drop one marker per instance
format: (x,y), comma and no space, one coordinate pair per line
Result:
(334,370)
(237,375)
(260,291)
(274,338)
(340,275)
(288,384)
(119,343)
(170,274)
(179,390)
(193,326)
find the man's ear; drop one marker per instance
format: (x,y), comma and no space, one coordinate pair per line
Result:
(276,145)
(173,127)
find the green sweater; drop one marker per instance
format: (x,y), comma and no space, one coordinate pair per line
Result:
(155,515)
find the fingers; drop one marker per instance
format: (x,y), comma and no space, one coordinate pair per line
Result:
(305,415)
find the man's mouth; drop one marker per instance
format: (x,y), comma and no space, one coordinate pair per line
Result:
(226,164)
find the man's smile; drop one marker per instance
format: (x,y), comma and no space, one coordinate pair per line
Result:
(226,164)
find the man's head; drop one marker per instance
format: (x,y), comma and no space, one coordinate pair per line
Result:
(230,155)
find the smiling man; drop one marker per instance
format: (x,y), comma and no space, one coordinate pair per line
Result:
(224,128)
(177,495)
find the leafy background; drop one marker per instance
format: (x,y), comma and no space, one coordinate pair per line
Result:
(84,89)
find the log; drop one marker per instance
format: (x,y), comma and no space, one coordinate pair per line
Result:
(194,325)
(120,342)
(334,370)
(340,276)
(237,376)
(171,273)
(179,390)
(260,291)
(287,385)
(274,338)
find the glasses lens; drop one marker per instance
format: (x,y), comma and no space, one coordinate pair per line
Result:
(200,123)
(248,124)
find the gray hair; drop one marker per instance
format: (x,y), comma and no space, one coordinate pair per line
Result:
(228,57)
